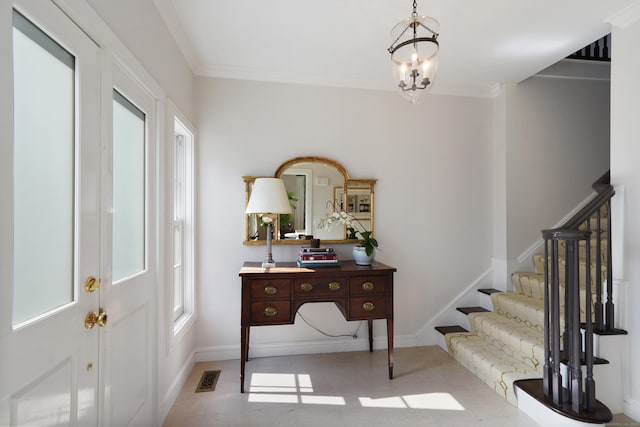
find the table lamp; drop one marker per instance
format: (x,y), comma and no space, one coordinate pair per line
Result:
(268,196)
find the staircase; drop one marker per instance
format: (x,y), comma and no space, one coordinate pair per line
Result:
(506,344)
(539,339)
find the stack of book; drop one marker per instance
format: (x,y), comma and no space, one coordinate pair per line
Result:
(317,257)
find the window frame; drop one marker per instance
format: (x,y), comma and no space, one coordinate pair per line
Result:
(183,316)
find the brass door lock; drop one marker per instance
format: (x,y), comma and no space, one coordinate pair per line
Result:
(91,284)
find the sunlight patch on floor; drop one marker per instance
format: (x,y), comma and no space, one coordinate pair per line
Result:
(290,388)
(441,401)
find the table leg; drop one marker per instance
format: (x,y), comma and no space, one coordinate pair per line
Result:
(370,324)
(244,351)
(246,356)
(390,345)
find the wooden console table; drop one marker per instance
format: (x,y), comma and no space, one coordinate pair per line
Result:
(272,296)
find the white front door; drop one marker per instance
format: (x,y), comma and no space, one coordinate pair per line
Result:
(130,289)
(49,219)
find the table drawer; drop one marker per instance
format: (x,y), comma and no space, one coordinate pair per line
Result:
(367,307)
(270,288)
(320,287)
(368,285)
(266,312)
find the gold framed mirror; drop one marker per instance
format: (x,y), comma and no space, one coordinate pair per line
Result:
(316,186)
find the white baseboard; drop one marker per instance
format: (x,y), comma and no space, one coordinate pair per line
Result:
(173,392)
(290,348)
(632,409)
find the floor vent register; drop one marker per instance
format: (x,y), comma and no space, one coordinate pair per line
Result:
(208,381)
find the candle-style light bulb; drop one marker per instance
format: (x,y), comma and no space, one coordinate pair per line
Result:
(425,67)
(403,72)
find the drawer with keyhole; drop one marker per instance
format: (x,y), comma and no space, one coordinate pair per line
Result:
(367,307)
(320,287)
(272,288)
(367,285)
(267,312)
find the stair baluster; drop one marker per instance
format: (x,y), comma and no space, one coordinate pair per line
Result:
(598,308)
(589,383)
(609,306)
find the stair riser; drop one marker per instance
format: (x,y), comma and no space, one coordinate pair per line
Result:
(609,377)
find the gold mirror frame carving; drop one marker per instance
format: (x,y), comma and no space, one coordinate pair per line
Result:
(350,186)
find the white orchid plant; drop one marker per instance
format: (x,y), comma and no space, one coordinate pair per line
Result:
(352,224)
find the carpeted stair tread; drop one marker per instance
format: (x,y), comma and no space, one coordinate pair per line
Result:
(522,308)
(507,344)
(496,368)
(530,284)
(468,310)
(538,261)
(444,330)
(521,341)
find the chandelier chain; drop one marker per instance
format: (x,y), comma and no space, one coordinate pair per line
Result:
(415,7)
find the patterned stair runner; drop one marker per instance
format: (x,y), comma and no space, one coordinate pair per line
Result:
(506,344)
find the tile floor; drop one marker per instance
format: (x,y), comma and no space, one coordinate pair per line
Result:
(347,389)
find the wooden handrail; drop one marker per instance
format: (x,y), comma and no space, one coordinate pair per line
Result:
(604,192)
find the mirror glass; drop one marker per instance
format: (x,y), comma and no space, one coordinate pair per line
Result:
(316,187)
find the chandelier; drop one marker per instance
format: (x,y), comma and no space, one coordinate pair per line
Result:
(414,52)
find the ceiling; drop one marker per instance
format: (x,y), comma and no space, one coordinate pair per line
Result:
(344,42)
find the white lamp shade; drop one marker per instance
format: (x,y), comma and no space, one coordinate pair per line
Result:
(269,195)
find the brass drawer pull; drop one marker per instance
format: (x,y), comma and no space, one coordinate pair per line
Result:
(334,286)
(306,287)
(270,290)
(270,311)
(368,306)
(367,286)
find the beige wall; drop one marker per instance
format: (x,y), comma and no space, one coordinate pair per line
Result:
(433,196)
(557,132)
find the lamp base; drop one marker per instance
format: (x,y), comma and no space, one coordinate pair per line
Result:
(268,257)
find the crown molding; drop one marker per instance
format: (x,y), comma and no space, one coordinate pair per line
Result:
(626,17)
(319,79)
(277,76)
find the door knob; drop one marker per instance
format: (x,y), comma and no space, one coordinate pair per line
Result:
(92,319)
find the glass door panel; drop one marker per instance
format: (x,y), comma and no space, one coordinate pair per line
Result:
(44,169)
(128,188)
